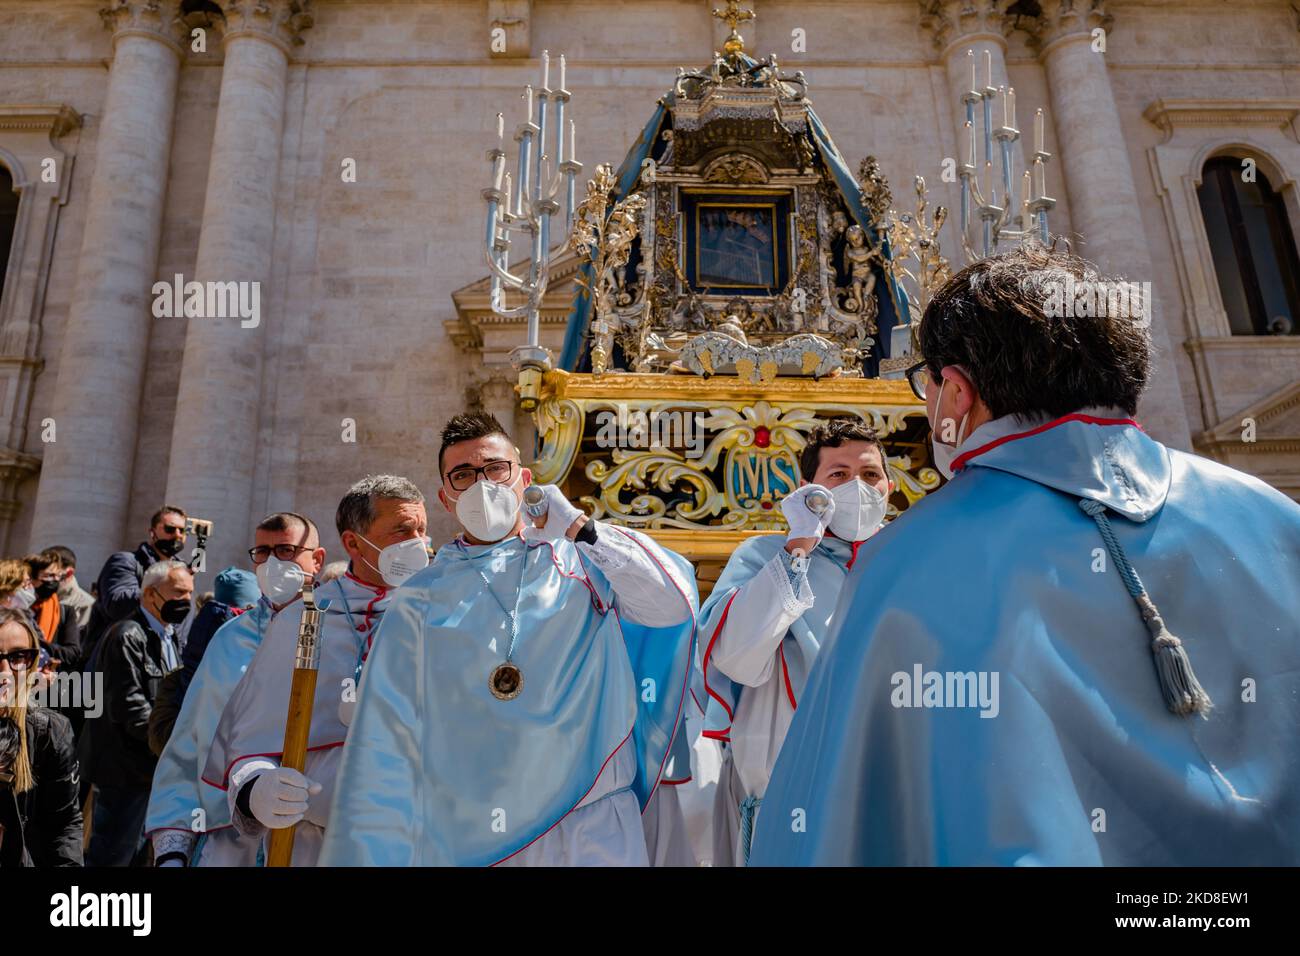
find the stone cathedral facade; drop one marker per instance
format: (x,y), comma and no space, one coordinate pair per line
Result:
(329,155)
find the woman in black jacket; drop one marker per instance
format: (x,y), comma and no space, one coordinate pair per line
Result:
(40,817)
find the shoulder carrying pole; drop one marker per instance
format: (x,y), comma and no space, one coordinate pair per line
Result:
(297,726)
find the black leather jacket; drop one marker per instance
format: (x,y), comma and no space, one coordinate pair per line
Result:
(115,747)
(42,827)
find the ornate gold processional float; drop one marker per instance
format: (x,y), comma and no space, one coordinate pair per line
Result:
(736,284)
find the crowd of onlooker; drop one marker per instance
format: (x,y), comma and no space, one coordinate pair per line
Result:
(90,685)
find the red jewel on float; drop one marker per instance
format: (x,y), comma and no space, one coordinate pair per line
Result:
(762,438)
(767,506)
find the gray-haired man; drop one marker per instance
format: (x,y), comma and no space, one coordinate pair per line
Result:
(134,656)
(381,522)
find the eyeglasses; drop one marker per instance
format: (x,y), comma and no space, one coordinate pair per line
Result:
(174,529)
(22,658)
(918,376)
(285,552)
(501,471)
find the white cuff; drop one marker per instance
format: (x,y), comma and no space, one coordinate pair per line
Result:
(173,841)
(792,605)
(612,552)
(243,771)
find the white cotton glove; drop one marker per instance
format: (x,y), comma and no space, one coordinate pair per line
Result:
(279,797)
(803,523)
(560,514)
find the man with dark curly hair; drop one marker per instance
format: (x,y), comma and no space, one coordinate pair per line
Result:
(1087,654)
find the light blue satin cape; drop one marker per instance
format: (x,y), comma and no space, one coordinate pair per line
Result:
(438,772)
(1000,571)
(178,788)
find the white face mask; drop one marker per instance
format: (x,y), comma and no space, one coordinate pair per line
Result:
(859,510)
(399,561)
(488,510)
(22,599)
(944,453)
(280,580)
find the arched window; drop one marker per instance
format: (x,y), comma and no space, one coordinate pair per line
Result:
(8,219)
(1254,250)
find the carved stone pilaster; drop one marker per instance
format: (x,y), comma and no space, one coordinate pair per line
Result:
(159,19)
(514,17)
(1059,19)
(15,469)
(496,396)
(953,21)
(85,488)
(282,22)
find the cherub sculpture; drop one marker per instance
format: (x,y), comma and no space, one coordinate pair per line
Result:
(858,256)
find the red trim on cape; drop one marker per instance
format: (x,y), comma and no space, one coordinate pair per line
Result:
(704,666)
(224,826)
(785,672)
(854,556)
(572,808)
(960,461)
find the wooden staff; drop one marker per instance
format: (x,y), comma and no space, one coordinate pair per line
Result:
(297,724)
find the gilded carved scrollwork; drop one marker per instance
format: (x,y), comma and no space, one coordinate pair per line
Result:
(652,457)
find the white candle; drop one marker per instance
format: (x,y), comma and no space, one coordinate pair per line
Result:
(988,67)
(1011,106)
(974,80)
(988,182)
(1038,132)
(1006,115)
(561,71)
(573,142)
(1040,177)
(1024,202)
(501,126)
(508,208)
(546,69)
(528,95)
(970,131)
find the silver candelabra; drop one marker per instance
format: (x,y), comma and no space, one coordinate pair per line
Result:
(999,221)
(525,206)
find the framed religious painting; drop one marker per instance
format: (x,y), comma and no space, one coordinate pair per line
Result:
(738,241)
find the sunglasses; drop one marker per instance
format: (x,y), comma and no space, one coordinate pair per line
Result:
(24,657)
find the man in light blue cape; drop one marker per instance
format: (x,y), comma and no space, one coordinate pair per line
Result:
(179,834)
(1089,654)
(769,613)
(522,695)
(381,525)
(174,827)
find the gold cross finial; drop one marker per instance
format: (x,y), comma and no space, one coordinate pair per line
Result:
(733,17)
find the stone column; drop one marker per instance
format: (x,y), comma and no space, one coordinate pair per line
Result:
(85,484)
(1104,202)
(958,26)
(214,438)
